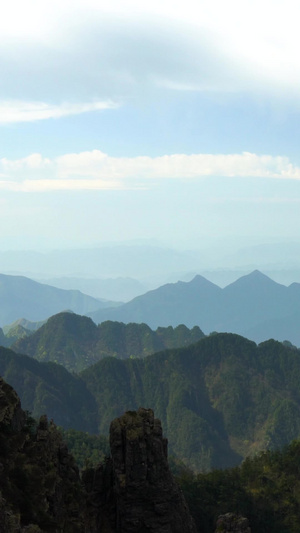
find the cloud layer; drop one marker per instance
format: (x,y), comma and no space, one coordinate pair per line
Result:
(89,49)
(19,111)
(95,170)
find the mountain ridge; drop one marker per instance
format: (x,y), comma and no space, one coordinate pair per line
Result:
(22,297)
(220,400)
(241,307)
(76,342)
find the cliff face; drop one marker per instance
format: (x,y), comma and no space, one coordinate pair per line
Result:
(147,496)
(39,480)
(136,490)
(40,487)
(11,414)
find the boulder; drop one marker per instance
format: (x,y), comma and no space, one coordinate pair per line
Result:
(232,523)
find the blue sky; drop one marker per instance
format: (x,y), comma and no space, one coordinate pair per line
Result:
(172,121)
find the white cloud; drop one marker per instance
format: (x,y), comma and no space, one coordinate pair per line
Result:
(179,166)
(33,161)
(18,111)
(238,45)
(98,171)
(47,185)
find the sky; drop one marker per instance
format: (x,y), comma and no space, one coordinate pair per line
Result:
(174,122)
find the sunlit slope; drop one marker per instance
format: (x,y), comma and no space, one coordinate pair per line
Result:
(76,342)
(220,399)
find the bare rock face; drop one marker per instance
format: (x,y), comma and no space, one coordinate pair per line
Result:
(147,497)
(60,483)
(232,523)
(134,491)
(40,488)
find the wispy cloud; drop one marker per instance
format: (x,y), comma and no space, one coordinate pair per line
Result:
(208,45)
(20,111)
(59,185)
(96,170)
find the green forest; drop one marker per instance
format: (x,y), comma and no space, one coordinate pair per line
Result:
(265,489)
(220,400)
(76,342)
(229,408)
(41,485)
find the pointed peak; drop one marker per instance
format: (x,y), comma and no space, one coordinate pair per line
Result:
(255,277)
(201,281)
(257,274)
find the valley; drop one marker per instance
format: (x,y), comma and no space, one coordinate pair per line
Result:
(222,398)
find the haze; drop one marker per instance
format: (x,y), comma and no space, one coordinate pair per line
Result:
(174,123)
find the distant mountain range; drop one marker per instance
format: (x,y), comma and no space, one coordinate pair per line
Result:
(21,297)
(111,261)
(253,306)
(145,260)
(116,289)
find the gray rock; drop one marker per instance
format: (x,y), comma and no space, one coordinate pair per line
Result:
(232,523)
(135,492)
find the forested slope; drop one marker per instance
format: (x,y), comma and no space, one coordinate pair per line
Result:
(76,342)
(220,399)
(48,388)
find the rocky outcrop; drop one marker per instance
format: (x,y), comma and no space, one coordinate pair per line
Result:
(60,485)
(135,490)
(40,488)
(11,413)
(8,520)
(101,510)
(232,523)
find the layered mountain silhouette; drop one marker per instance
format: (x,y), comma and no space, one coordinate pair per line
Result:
(22,297)
(254,306)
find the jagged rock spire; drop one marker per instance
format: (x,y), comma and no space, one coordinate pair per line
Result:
(147,497)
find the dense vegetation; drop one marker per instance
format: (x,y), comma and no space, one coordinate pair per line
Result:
(39,483)
(265,489)
(87,450)
(76,342)
(40,488)
(14,333)
(220,400)
(50,388)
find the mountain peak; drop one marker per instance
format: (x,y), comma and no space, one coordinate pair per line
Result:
(199,280)
(257,273)
(254,278)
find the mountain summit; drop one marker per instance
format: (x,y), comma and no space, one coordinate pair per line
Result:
(254,306)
